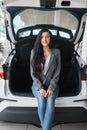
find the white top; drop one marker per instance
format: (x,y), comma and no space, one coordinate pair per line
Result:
(47,59)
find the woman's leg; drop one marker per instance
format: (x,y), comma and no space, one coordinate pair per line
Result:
(50,109)
(41,104)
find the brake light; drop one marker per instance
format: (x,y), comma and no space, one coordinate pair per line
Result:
(86,73)
(85,76)
(1,72)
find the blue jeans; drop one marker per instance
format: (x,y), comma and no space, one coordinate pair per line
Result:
(46,108)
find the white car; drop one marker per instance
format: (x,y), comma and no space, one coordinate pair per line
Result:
(24,19)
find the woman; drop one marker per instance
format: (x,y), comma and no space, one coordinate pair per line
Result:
(45,71)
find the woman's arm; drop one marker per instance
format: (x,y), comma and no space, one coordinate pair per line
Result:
(55,78)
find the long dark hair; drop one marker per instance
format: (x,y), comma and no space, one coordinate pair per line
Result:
(38,57)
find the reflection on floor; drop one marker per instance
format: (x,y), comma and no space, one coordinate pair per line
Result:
(14,126)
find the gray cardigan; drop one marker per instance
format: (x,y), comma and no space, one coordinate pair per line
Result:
(50,79)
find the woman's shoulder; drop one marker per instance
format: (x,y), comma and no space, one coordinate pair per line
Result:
(56,51)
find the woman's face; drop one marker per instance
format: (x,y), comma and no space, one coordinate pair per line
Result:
(45,39)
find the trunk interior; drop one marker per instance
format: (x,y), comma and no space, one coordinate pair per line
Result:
(20,81)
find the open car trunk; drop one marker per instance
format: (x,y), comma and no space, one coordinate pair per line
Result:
(20,81)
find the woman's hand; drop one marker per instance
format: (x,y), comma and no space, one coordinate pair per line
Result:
(49,92)
(43,92)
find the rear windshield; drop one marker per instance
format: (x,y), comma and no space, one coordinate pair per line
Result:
(30,21)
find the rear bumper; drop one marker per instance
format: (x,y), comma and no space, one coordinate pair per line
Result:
(20,115)
(29,115)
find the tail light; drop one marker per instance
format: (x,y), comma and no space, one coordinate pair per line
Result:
(86,73)
(1,72)
(85,76)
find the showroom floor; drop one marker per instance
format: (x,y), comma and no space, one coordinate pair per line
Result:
(14,126)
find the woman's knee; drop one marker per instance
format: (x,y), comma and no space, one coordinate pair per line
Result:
(41,99)
(51,98)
